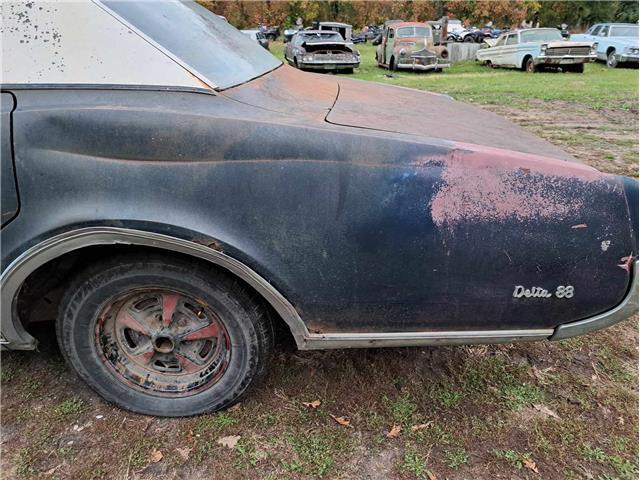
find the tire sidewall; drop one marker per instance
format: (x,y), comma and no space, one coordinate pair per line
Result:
(77,326)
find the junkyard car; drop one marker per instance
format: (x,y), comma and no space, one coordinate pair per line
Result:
(617,43)
(258,37)
(534,48)
(344,29)
(409,46)
(321,50)
(180,198)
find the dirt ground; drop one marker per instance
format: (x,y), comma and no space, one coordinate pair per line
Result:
(538,411)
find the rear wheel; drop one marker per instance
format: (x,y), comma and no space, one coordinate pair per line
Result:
(164,337)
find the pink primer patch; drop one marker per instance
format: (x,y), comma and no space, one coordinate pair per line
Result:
(494,184)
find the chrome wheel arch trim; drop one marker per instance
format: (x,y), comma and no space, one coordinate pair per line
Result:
(17,272)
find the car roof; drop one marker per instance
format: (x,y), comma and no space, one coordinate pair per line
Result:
(409,24)
(317,32)
(334,24)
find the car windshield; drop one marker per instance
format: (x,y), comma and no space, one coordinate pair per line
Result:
(204,42)
(540,35)
(624,31)
(414,32)
(322,37)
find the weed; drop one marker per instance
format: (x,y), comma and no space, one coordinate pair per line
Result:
(515,458)
(414,463)
(516,396)
(403,409)
(456,458)
(69,407)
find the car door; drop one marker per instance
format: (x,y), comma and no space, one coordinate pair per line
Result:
(9,192)
(388,45)
(603,43)
(510,51)
(497,51)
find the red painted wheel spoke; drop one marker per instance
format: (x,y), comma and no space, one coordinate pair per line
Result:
(208,331)
(143,354)
(188,365)
(169,304)
(129,320)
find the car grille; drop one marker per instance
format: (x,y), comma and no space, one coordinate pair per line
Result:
(559,51)
(333,57)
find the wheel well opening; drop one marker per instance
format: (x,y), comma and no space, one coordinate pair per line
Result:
(609,50)
(39,297)
(525,60)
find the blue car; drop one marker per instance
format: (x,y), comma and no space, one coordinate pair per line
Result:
(616,42)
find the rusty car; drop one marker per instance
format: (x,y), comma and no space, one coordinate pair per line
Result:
(410,46)
(535,49)
(321,50)
(176,199)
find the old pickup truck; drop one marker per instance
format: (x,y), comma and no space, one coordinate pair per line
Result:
(176,199)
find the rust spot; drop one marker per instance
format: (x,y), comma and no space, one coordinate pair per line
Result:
(487,184)
(580,225)
(210,243)
(626,263)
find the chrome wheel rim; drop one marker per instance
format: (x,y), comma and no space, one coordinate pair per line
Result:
(163,342)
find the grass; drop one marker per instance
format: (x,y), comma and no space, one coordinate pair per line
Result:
(598,87)
(69,407)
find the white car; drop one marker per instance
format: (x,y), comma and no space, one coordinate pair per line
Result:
(534,48)
(616,42)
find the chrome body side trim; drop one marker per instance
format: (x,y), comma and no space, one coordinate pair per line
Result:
(16,273)
(15,337)
(417,339)
(626,308)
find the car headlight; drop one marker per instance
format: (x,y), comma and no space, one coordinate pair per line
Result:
(403,52)
(594,48)
(307,58)
(632,50)
(543,49)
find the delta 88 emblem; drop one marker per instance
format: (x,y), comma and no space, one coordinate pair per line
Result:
(538,292)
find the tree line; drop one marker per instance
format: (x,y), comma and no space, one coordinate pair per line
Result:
(503,13)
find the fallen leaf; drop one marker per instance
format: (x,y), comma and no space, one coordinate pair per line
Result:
(431,475)
(184,452)
(421,426)
(313,404)
(394,432)
(530,464)
(229,442)
(155,456)
(344,421)
(235,407)
(546,410)
(52,470)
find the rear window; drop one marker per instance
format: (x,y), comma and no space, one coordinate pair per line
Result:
(624,31)
(200,39)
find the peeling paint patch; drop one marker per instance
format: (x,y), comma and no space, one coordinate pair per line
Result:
(604,245)
(580,225)
(499,185)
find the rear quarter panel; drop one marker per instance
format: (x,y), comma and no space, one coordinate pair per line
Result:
(360,230)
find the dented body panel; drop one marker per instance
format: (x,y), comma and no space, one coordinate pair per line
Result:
(362,226)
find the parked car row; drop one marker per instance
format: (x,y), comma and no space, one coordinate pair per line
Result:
(535,49)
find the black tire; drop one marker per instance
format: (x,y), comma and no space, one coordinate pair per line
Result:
(530,66)
(578,68)
(99,357)
(469,39)
(392,64)
(612,61)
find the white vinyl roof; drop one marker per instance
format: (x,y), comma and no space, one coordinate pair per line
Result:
(81,42)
